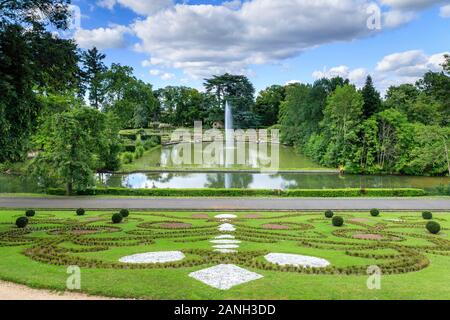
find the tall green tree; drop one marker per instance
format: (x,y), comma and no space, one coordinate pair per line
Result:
(36,12)
(372,99)
(268,103)
(71,147)
(181,106)
(239,92)
(130,99)
(93,69)
(341,124)
(31,60)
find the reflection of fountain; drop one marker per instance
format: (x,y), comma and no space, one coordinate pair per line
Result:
(229,142)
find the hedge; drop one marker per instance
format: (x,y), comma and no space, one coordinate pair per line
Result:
(331,193)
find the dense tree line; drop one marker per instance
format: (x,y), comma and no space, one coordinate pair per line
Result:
(339,126)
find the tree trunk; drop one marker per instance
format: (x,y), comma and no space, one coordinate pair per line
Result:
(69,188)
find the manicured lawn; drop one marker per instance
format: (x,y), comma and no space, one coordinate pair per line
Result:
(415,264)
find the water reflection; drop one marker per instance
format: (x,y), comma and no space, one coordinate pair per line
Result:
(266,181)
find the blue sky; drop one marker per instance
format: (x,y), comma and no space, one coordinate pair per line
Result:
(272,42)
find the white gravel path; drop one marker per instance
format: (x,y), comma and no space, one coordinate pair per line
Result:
(225,241)
(226,216)
(227,227)
(225,276)
(154,257)
(297,260)
(225,236)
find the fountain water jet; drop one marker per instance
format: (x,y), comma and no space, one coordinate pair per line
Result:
(229,142)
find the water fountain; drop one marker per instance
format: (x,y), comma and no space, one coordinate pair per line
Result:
(229,142)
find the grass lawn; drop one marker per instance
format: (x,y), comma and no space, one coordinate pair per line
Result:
(415,264)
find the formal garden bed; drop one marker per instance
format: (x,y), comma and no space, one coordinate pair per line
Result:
(229,256)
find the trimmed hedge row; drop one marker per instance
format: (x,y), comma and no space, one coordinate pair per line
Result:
(332,193)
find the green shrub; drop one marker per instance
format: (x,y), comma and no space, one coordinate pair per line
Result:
(117,218)
(139,152)
(125,213)
(427,215)
(374,212)
(127,157)
(337,221)
(243,192)
(80,212)
(433,227)
(21,222)
(329,214)
(152,142)
(30,213)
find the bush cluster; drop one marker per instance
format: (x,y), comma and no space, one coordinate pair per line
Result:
(433,227)
(117,218)
(30,213)
(80,212)
(337,221)
(124,212)
(329,214)
(374,212)
(427,215)
(22,222)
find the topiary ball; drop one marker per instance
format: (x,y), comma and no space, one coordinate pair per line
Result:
(30,213)
(433,227)
(427,215)
(21,222)
(374,212)
(117,218)
(337,221)
(329,214)
(125,213)
(80,212)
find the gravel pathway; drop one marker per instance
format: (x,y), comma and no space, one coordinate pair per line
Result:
(12,291)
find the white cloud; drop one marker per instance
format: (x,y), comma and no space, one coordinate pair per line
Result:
(403,11)
(445,11)
(163,75)
(233,4)
(393,69)
(109,4)
(102,38)
(206,39)
(356,76)
(292,82)
(411,4)
(142,7)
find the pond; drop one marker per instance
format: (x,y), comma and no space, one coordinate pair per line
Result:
(266,181)
(17,184)
(214,156)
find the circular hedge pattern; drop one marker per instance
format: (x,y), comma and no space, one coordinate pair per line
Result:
(66,241)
